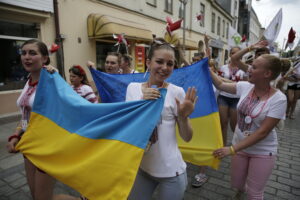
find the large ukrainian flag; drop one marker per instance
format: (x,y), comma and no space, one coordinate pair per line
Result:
(94,148)
(205,119)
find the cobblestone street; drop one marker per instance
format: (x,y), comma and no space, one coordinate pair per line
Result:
(283,184)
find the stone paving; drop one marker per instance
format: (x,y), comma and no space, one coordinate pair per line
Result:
(284,182)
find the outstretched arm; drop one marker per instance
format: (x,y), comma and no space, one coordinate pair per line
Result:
(220,84)
(207,50)
(236,59)
(267,125)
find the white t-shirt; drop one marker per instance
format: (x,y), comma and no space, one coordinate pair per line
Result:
(231,75)
(163,158)
(275,107)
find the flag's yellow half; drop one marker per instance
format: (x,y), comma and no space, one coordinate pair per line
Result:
(199,150)
(75,160)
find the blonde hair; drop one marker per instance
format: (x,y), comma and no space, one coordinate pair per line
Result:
(274,65)
(285,64)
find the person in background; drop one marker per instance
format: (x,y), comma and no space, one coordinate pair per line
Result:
(80,83)
(254,143)
(112,63)
(293,89)
(201,178)
(162,165)
(126,61)
(227,102)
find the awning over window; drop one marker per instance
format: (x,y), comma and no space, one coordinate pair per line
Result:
(104,26)
(189,44)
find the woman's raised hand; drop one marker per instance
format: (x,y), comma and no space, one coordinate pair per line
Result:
(187,106)
(90,64)
(50,69)
(259,44)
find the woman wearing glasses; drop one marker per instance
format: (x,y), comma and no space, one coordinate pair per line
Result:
(162,166)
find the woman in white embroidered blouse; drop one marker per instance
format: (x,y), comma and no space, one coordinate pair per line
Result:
(34,55)
(254,144)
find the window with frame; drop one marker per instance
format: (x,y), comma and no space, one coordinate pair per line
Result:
(235,7)
(219,26)
(227,30)
(234,23)
(181,11)
(223,28)
(202,12)
(213,22)
(169,6)
(12,35)
(151,2)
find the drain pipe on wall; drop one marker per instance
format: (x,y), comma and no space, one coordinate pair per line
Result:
(59,41)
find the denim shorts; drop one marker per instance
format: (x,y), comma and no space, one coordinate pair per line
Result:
(228,101)
(294,87)
(168,188)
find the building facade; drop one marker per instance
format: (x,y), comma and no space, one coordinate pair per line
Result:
(20,21)
(84,29)
(254,28)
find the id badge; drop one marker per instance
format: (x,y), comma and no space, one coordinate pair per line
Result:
(247,133)
(24,124)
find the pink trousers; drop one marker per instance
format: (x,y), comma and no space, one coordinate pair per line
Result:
(250,173)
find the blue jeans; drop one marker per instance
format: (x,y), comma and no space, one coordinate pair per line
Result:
(168,188)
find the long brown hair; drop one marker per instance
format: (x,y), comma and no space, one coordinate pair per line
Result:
(79,71)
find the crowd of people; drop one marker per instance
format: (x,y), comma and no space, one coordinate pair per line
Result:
(251,96)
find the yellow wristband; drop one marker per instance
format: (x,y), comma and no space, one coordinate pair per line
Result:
(232,151)
(19,128)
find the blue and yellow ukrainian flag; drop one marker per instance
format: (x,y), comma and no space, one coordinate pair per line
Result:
(94,148)
(205,118)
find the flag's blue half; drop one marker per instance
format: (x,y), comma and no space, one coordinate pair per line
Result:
(112,87)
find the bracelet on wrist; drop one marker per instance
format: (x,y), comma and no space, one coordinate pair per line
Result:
(13,136)
(249,49)
(232,151)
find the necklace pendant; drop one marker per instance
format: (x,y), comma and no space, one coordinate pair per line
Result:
(248,119)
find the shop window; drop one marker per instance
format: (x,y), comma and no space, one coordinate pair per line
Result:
(103,48)
(19,29)
(12,35)
(12,74)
